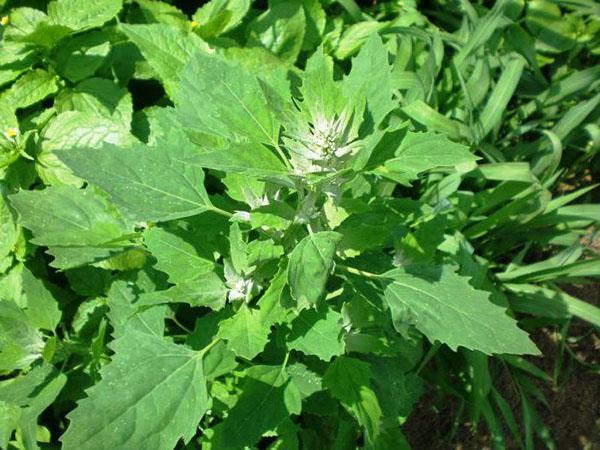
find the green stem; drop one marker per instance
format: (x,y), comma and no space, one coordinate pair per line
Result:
(221,212)
(209,346)
(359,272)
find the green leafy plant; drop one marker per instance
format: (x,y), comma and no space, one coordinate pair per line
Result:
(279,227)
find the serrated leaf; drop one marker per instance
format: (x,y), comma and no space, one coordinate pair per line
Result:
(42,307)
(66,216)
(152,394)
(317,333)
(244,332)
(309,266)
(280,29)
(446,308)
(419,152)
(222,98)
(268,398)
(79,14)
(146,183)
(180,254)
(168,49)
(349,380)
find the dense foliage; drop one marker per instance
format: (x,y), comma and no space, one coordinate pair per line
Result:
(232,224)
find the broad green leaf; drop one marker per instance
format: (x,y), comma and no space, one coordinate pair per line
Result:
(419,152)
(435,121)
(370,78)
(309,265)
(79,14)
(66,216)
(317,333)
(207,290)
(222,98)
(124,315)
(162,12)
(280,29)
(42,306)
(145,183)
(31,88)
(80,56)
(167,49)
(320,94)
(181,255)
(220,16)
(32,393)
(246,335)
(268,398)
(446,308)
(101,97)
(20,342)
(152,394)
(349,381)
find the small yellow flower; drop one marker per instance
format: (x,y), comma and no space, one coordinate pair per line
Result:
(194,24)
(11,133)
(4,21)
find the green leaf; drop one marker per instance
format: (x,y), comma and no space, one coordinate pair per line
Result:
(146,183)
(222,98)
(309,266)
(419,152)
(124,315)
(152,394)
(80,56)
(446,308)
(67,216)
(167,49)
(79,14)
(20,342)
(246,335)
(317,333)
(207,290)
(349,381)
(180,254)
(280,29)
(217,17)
(31,88)
(42,307)
(370,78)
(268,398)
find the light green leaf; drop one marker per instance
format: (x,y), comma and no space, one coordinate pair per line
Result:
(349,381)
(221,98)
(80,14)
(317,333)
(446,308)
(244,332)
(42,307)
(152,394)
(267,399)
(167,49)
(207,290)
(220,16)
(80,56)
(20,342)
(280,29)
(65,216)
(370,79)
(419,152)
(309,266)
(124,315)
(31,88)
(146,183)
(180,254)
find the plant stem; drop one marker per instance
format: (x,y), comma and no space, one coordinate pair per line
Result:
(355,271)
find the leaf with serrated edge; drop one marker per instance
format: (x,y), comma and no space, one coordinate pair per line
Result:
(152,394)
(446,308)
